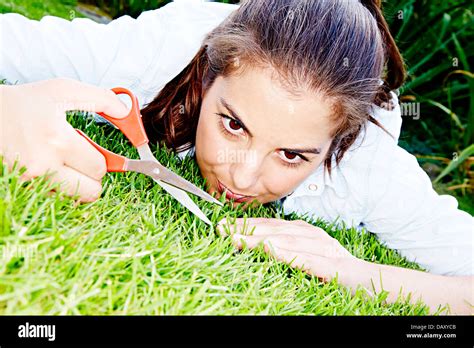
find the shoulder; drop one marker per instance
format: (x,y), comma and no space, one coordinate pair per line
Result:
(370,161)
(175,34)
(372,151)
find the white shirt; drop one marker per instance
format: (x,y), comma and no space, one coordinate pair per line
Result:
(378,185)
(140,54)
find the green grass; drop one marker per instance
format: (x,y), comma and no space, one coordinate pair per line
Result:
(137,251)
(36,9)
(435,39)
(430,35)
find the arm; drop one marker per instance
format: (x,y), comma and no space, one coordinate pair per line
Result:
(311,249)
(408,215)
(434,290)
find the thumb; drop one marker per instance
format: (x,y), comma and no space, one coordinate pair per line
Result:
(75,95)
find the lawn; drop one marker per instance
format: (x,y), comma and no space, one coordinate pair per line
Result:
(136,251)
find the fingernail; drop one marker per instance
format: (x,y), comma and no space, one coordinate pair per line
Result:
(238,239)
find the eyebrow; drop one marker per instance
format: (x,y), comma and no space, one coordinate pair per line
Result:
(314,150)
(234,115)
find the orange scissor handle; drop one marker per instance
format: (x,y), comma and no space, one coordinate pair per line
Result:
(115,163)
(131,125)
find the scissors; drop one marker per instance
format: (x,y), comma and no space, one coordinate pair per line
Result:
(132,127)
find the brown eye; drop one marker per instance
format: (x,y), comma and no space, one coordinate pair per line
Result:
(231,125)
(290,155)
(234,125)
(290,159)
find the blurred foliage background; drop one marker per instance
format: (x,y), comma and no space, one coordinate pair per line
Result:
(436,38)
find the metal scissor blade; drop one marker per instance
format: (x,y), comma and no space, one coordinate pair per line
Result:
(183,198)
(174,179)
(165,175)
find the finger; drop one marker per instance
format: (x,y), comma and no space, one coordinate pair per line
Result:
(268,221)
(225,229)
(239,240)
(73,182)
(75,95)
(258,220)
(261,220)
(272,246)
(272,226)
(242,221)
(226,226)
(298,233)
(329,249)
(315,265)
(284,241)
(296,228)
(77,153)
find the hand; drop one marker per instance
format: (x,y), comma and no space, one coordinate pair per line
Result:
(296,243)
(35,132)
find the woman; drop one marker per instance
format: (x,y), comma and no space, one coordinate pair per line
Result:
(289,101)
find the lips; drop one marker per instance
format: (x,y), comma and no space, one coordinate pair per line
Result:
(231,195)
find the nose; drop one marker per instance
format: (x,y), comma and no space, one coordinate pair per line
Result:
(246,171)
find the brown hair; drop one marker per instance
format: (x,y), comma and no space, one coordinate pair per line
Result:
(339,48)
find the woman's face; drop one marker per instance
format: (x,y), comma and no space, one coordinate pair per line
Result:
(255,141)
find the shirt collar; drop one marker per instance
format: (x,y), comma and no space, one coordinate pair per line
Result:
(320,180)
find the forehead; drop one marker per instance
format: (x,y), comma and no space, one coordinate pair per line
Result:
(269,111)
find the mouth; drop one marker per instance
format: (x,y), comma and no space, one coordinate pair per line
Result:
(231,195)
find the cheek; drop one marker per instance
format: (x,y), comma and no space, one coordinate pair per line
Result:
(281,181)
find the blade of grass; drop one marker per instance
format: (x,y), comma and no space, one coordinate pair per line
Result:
(453,116)
(467,152)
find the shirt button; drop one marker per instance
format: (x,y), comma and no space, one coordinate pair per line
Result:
(313,187)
